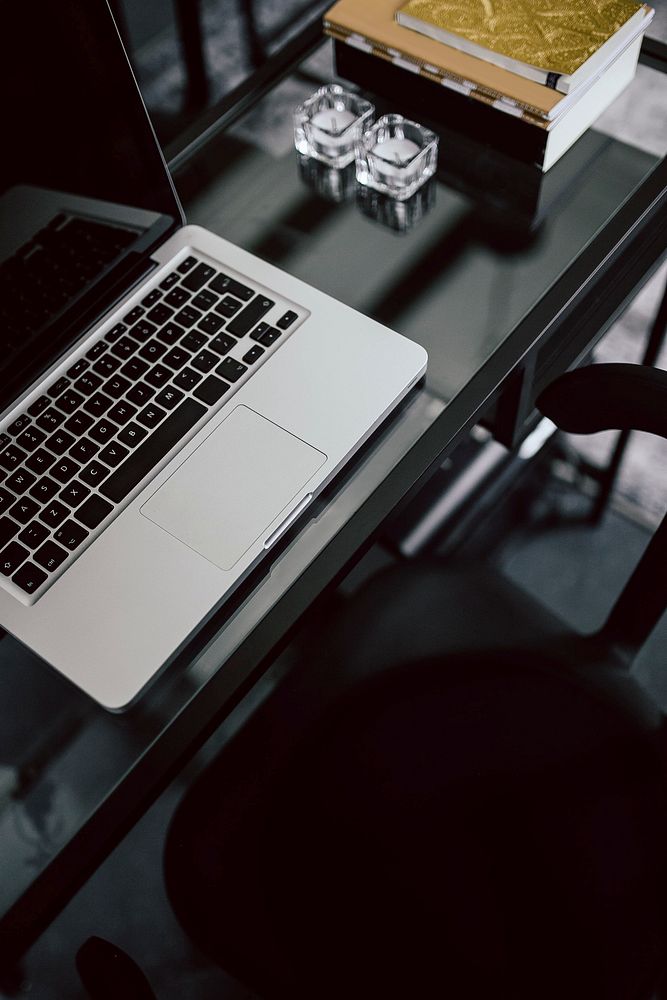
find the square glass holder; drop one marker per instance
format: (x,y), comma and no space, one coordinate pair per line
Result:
(396,156)
(329,123)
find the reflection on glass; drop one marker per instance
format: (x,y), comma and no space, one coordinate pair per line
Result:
(400,216)
(331,183)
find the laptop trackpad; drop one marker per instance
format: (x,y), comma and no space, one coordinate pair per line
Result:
(236,483)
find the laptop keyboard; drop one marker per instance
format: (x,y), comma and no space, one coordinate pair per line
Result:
(77,450)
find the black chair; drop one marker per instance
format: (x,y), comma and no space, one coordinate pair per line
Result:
(453,795)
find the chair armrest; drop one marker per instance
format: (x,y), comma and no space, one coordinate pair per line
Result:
(605,397)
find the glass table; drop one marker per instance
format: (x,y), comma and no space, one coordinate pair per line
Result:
(506,281)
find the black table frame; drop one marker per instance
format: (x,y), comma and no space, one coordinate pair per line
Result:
(554,336)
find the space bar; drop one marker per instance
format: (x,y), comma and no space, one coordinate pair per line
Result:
(148,454)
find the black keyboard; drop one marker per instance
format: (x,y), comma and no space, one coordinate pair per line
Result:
(44,275)
(80,447)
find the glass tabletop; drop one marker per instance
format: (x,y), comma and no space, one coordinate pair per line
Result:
(464,270)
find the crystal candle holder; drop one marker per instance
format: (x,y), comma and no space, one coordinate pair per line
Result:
(396,156)
(329,123)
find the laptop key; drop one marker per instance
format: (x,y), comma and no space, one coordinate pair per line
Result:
(94,473)
(11,457)
(98,404)
(198,277)
(222,344)
(122,412)
(79,423)
(88,383)
(228,306)
(151,298)
(50,556)
(59,442)
(170,333)
(116,386)
(249,316)
(65,469)
(19,481)
(177,297)
(188,316)
(68,402)
(187,379)
(6,500)
(18,425)
(193,341)
(170,280)
(169,397)
(211,390)
(231,370)
(29,578)
(8,529)
(107,365)
(128,475)
(50,420)
(58,387)
(115,332)
(11,558)
(270,336)
(135,368)
(132,434)
(211,324)
(204,361)
(223,283)
(153,350)
(44,489)
(133,315)
(103,431)
(53,514)
(151,416)
(160,314)
(205,300)
(78,368)
(84,450)
(140,393)
(93,511)
(157,377)
(254,354)
(39,406)
(34,534)
(99,348)
(187,264)
(24,510)
(287,319)
(74,493)
(70,534)
(113,454)
(176,358)
(124,347)
(143,330)
(40,461)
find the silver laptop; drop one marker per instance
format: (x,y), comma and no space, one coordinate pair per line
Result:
(171,404)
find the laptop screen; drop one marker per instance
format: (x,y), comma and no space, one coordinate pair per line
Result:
(84,192)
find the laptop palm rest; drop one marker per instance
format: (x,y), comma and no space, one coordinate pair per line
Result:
(233,486)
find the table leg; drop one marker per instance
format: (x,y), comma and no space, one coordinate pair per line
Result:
(607,476)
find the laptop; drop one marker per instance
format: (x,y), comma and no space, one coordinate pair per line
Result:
(171,403)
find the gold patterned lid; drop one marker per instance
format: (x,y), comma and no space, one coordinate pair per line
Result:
(557,36)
